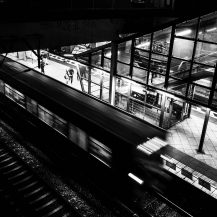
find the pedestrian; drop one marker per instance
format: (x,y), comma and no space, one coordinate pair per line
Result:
(69,75)
(42,64)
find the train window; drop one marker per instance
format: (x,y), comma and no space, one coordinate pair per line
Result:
(60,125)
(100,151)
(2,86)
(15,95)
(45,115)
(78,136)
(19,98)
(8,91)
(82,139)
(32,106)
(73,133)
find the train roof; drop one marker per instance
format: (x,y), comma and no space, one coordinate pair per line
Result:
(103,115)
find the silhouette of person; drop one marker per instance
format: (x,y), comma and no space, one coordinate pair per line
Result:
(69,75)
(42,64)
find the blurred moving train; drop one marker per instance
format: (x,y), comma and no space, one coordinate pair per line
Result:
(109,144)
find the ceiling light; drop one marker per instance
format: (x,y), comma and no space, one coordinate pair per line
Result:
(184,32)
(211,30)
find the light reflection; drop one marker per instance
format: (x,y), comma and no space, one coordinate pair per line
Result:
(211,30)
(184,32)
(142,45)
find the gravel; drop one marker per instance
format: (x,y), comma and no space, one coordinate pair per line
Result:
(75,198)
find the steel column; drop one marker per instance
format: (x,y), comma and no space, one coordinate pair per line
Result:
(200,149)
(113,70)
(169,57)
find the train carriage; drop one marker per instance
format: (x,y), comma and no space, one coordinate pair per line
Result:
(102,137)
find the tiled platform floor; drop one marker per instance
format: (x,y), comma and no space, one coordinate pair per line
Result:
(184,136)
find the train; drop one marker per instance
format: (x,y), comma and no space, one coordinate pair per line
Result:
(110,145)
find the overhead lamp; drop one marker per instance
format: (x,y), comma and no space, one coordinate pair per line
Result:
(184,32)
(211,30)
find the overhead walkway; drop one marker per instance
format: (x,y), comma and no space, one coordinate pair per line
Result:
(184,77)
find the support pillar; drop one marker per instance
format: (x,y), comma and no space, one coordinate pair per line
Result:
(89,74)
(39,58)
(200,149)
(162,110)
(113,69)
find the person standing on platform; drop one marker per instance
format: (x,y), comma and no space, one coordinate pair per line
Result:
(69,75)
(42,64)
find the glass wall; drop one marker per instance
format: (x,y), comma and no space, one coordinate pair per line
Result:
(159,56)
(191,61)
(99,84)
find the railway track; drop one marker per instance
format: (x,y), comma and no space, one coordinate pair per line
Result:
(25,190)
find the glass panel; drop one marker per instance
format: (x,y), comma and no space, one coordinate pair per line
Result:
(32,106)
(122,86)
(161,41)
(107,64)
(96,75)
(8,91)
(156,79)
(122,93)
(152,115)
(96,58)
(81,139)
(105,86)
(101,151)
(179,68)
(206,53)
(19,98)
(201,94)
(60,125)
(139,74)
(138,92)
(208,28)
(45,115)
(137,108)
(95,90)
(158,64)
(107,52)
(187,29)
(124,51)
(83,59)
(84,71)
(15,95)
(183,48)
(152,112)
(202,75)
(2,86)
(123,69)
(121,101)
(73,133)
(143,42)
(141,58)
(177,86)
